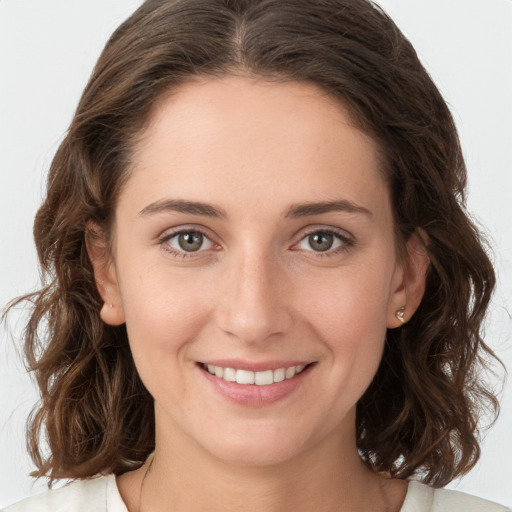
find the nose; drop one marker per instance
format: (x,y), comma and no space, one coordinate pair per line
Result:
(253,304)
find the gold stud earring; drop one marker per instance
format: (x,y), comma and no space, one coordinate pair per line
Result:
(400,314)
(111,305)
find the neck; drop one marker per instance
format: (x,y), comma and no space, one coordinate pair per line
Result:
(329,476)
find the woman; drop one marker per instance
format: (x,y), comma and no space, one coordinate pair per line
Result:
(209,352)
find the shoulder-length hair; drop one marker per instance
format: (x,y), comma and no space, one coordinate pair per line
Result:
(419,415)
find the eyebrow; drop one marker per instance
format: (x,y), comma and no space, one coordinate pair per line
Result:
(341,205)
(183,206)
(295,211)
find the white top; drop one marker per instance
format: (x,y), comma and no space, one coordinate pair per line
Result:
(102,495)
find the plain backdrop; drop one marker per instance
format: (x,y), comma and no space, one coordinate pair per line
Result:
(47,51)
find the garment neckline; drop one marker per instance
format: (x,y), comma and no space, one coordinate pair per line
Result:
(417,492)
(413,488)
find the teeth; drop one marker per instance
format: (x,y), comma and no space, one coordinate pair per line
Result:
(279,375)
(263,378)
(229,374)
(244,377)
(290,372)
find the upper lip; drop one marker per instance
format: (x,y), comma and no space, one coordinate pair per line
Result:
(240,364)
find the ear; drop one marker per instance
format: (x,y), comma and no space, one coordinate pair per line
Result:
(105,276)
(409,285)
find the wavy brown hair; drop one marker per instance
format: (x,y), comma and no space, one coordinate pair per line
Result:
(420,414)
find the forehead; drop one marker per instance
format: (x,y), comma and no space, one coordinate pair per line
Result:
(247,102)
(233,136)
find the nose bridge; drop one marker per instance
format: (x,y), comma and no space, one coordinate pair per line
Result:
(253,305)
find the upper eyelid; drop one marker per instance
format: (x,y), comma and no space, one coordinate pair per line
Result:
(302,233)
(342,233)
(345,240)
(166,237)
(170,232)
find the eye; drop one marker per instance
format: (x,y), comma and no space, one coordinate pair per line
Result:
(323,241)
(189,241)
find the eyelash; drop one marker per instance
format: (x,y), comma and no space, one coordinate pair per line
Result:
(346,242)
(164,243)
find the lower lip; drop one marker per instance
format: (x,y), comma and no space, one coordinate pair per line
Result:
(252,395)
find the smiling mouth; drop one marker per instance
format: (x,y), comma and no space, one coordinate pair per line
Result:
(247,377)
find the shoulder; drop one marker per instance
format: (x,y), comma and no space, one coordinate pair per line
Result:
(422,498)
(98,494)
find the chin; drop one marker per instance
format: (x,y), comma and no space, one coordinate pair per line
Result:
(260,447)
(256,455)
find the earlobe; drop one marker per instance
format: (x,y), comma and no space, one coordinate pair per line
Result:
(104,275)
(112,315)
(409,292)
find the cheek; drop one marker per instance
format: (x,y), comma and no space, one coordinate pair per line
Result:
(163,320)
(348,300)
(348,314)
(164,313)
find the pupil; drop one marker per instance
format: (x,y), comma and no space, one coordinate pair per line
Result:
(321,241)
(190,241)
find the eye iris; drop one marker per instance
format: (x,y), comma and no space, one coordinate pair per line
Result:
(321,241)
(190,241)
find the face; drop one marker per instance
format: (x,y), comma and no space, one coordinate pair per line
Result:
(254,264)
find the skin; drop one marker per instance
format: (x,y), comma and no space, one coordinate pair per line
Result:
(257,290)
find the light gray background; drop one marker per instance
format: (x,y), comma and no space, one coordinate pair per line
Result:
(47,51)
